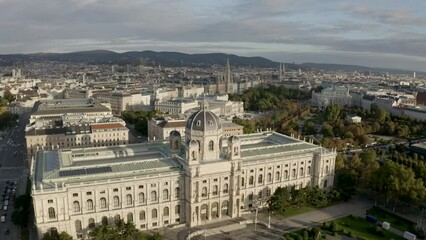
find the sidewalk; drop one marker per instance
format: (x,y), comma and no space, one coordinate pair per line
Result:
(355,206)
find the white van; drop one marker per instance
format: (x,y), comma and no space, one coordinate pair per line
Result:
(5,208)
(3,219)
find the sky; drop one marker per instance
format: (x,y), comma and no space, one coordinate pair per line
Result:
(375,33)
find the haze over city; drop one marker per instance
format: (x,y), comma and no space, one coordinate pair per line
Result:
(382,33)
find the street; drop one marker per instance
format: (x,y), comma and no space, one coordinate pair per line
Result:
(13,164)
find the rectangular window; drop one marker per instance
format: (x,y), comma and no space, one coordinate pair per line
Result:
(75,194)
(88,193)
(154,224)
(103,191)
(143,226)
(115,190)
(50,201)
(204,181)
(128,188)
(140,186)
(226,178)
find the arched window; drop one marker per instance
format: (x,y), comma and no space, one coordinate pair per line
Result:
(129,217)
(277,176)
(76,206)
(193,155)
(269,177)
(242,182)
(301,171)
(104,220)
(153,196)
(215,190)
(166,212)
(326,169)
(154,213)
(177,192)
(225,188)
(78,226)
(251,180)
(293,173)
(325,183)
(116,218)
(116,201)
(177,209)
(260,178)
(250,197)
(142,215)
(204,192)
(309,170)
(129,200)
(89,204)
(91,223)
(211,145)
(141,197)
(103,203)
(259,195)
(165,194)
(52,213)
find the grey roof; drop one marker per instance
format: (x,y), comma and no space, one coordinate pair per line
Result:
(203,120)
(101,163)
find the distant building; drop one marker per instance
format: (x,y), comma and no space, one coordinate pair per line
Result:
(224,84)
(353,119)
(330,96)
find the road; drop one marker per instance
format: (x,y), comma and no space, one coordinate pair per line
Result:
(13,166)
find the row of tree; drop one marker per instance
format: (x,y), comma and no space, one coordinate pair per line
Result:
(139,119)
(270,97)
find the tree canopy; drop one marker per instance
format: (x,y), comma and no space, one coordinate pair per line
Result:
(122,231)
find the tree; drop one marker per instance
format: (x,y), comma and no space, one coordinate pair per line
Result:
(327,130)
(21,211)
(121,231)
(332,113)
(8,96)
(53,235)
(345,184)
(279,201)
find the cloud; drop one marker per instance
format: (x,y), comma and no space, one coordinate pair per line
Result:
(245,26)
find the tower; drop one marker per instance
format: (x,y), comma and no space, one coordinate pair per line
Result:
(282,72)
(229,88)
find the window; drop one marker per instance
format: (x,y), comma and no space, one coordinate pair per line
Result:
(88,193)
(90,204)
(142,215)
(50,201)
(91,223)
(76,206)
(103,203)
(177,209)
(116,217)
(52,213)
(116,201)
(293,173)
(251,180)
(140,186)
(154,213)
(268,192)
(309,170)
(215,190)
(75,194)
(211,145)
(193,155)
(165,194)
(269,177)
(129,200)
(250,197)
(129,217)
(128,188)
(78,225)
(242,182)
(153,196)
(225,188)
(115,190)
(177,192)
(166,212)
(259,195)
(104,220)
(326,169)
(301,171)
(141,197)
(198,123)
(260,178)
(325,183)
(204,192)
(277,176)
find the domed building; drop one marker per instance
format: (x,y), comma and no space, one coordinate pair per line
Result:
(193,179)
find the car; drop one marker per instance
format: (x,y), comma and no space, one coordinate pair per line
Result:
(3,219)
(15,182)
(5,208)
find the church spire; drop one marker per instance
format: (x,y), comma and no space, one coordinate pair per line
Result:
(228,78)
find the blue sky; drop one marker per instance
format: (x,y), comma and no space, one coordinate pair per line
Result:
(377,33)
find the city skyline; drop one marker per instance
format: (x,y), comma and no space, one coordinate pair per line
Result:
(385,33)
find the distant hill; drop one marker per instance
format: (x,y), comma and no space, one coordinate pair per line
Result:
(180,59)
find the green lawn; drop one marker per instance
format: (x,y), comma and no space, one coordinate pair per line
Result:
(395,221)
(361,228)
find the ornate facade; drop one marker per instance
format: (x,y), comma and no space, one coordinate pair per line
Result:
(195,179)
